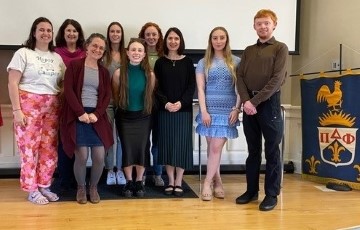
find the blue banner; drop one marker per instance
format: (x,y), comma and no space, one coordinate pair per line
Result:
(330,123)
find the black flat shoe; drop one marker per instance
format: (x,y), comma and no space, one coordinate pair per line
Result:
(179,192)
(128,189)
(247,197)
(139,189)
(268,203)
(169,190)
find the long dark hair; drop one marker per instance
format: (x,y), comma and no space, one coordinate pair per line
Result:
(109,48)
(181,49)
(123,86)
(60,37)
(31,41)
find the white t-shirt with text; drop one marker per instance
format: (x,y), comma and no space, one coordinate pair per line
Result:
(41,71)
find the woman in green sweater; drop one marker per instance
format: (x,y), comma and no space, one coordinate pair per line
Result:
(133,86)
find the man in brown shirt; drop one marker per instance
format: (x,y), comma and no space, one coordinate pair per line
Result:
(261,73)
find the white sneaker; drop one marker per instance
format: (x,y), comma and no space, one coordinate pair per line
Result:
(120,177)
(158,181)
(111,178)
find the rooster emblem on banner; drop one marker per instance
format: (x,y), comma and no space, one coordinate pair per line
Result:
(333,99)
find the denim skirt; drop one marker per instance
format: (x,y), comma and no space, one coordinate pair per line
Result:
(86,135)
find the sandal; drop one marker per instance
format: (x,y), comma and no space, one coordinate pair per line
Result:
(37,198)
(206,193)
(49,195)
(219,191)
(178,191)
(169,190)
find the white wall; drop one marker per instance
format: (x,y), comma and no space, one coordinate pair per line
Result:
(324,25)
(194,18)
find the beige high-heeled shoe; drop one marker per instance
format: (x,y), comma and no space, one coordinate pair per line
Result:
(218,189)
(206,192)
(219,192)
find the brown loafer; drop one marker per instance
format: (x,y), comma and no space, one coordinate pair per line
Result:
(94,195)
(81,194)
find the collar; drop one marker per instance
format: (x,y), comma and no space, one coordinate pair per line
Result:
(271,41)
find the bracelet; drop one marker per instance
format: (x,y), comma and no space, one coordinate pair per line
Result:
(236,108)
(16,110)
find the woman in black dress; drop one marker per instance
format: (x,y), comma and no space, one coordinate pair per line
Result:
(176,85)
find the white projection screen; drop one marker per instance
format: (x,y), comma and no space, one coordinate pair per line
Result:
(195,18)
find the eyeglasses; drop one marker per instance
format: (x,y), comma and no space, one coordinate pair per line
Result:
(96,46)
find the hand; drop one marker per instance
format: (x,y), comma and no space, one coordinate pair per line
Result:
(206,119)
(19,118)
(233,116)
(84,118)
(177,106)
(170,107)
(92,118)
(249,108)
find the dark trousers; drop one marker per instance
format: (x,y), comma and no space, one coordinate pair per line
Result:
(65,168)
(156,168)
(267,123)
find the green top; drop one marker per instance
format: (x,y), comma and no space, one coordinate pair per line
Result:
(137,85)
(153,56)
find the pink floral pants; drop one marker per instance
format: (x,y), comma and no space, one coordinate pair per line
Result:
(37,140)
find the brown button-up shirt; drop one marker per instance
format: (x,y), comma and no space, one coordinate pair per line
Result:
(263,68)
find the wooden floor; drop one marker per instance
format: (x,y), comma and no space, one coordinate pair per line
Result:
(301,206)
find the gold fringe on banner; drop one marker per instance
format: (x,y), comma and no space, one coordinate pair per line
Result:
(324,180)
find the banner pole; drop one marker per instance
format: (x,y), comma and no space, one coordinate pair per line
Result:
(340,58)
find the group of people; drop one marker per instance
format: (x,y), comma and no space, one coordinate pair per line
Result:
(82,89)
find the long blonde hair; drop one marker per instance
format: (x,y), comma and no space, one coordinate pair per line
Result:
(124,86)
(209,54)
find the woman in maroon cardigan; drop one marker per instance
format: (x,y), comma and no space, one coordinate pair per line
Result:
(84,122)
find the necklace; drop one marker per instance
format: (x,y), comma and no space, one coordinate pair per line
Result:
(173,58)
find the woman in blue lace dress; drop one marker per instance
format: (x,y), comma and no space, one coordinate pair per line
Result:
(219,106)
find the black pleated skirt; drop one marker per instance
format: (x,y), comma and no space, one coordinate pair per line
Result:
(134,133)
(175,139)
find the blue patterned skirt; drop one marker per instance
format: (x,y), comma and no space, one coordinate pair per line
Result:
(219,128)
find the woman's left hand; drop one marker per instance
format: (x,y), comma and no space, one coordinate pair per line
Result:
(92,118)
(233,117)
(177,106)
